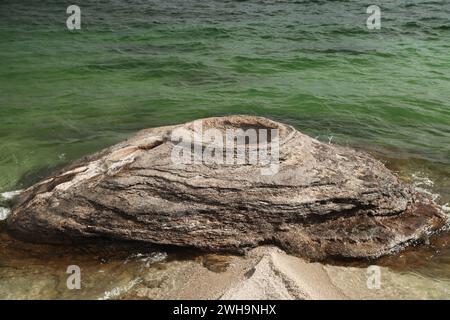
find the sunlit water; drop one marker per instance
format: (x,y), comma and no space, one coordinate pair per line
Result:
(138,64)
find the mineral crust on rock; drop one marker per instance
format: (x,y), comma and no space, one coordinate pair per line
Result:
(323,201)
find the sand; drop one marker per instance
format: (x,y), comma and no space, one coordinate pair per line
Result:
(280,276)
(264,273)
(267,273)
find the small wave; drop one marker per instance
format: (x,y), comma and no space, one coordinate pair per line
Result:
(446,208)
(420,179)
(4,213)
(148,259)
(118,291)
(9,195)
(424,185)
(5,199)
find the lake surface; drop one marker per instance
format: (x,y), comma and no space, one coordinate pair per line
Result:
(312,64)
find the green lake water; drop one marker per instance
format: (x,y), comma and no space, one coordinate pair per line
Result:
(312,64)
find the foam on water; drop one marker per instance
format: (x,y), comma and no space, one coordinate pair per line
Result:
(5,197)
(420,179)
(4,213)
(148,259)
(9,195)
(118,291)
(446,208)
(424,184)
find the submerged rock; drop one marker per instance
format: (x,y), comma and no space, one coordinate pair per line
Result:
(322,200)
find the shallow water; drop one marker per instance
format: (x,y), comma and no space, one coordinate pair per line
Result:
(138,64)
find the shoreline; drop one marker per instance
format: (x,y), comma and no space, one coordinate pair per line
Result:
(263,273)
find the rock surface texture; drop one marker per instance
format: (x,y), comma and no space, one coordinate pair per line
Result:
(324,201)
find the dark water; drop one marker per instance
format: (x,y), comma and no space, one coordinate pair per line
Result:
(312,64)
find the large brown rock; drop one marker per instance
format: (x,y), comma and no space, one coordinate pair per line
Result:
(324,201)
